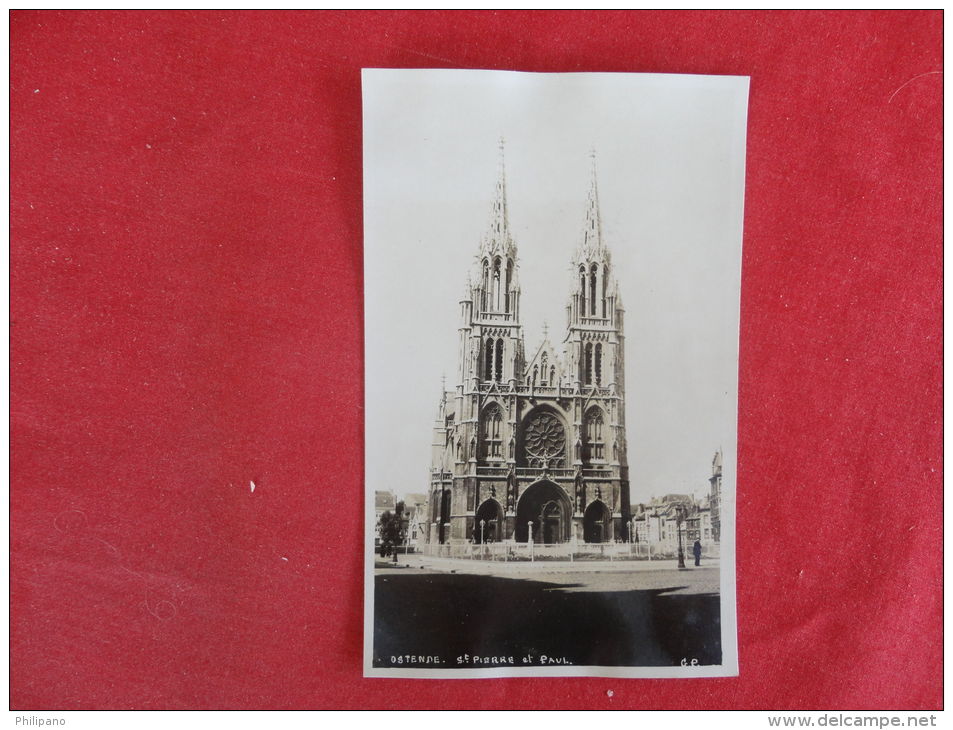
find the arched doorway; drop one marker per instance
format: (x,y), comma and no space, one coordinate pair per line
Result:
(597,523)
(547,506)
(491,515)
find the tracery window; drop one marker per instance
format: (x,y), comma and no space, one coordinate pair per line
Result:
(594,445)
(544,363)
(491,432)
(545,441)
(488,359)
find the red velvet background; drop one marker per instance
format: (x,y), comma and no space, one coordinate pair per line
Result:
(187,316)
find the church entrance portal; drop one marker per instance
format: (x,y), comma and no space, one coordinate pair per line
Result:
(546,505)
(596,523)
(491,515)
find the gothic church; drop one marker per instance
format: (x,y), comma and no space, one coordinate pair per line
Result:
(530,444)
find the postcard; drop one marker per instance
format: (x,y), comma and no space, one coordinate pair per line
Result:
(552,281)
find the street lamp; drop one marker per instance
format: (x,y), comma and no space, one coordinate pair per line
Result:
(678,527)
(530,525)
(482,532)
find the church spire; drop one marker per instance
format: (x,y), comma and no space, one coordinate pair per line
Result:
(496,273)
(594,297)
(592,246)
(498,239)
(500,212)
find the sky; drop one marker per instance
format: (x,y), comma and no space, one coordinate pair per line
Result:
(670,165)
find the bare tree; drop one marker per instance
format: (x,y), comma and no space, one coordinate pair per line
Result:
(393,528)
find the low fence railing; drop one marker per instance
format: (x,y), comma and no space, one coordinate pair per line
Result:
(567,551)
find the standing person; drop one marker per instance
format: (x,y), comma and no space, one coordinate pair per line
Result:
(697,550)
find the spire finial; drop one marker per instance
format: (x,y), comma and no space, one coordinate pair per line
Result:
(593,187)
(545,329)
(501,145)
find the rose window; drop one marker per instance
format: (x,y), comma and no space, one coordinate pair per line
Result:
(545,440)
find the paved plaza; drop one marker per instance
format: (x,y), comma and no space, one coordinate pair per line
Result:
(618,575)
(609,614)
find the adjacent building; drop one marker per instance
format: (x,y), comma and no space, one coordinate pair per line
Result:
(659,522)
(383,502)
(715,496)
(417,516)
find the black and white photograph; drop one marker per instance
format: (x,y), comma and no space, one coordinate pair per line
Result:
(552,283)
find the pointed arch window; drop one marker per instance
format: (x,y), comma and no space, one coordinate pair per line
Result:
(605,285)
(498,375)
(486,285)
(552,375)
(496,286)
(509,282)
(488,359)
(582,291)
(587,365)
(544,364)
(594,446)
(491,433)
(597,358)
(592,290)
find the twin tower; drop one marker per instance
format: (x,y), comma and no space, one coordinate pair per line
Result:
(530,444)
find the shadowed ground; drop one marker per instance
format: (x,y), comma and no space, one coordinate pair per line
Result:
(431,614)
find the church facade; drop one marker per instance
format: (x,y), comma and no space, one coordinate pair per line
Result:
(530,444)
